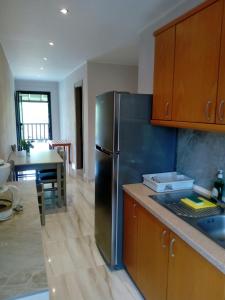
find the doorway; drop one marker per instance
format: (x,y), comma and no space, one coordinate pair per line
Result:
(78,93)
(33,116)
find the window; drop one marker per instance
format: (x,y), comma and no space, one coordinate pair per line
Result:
(33,116)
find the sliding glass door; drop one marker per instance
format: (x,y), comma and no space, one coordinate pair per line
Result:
(33,116)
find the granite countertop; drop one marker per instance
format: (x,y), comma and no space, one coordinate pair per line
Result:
(22,266)
(198,241)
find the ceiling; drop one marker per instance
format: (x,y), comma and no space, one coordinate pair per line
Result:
(100,30)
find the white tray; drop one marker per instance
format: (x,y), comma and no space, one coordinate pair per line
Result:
(167,182)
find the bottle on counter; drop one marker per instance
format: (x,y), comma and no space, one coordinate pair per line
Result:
(217,191)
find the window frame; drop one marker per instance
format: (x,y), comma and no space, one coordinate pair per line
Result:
(18,111)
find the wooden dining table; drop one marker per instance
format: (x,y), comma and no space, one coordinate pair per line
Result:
(39,160)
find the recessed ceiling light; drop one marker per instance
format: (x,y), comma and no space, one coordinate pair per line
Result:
(51,43)
(41,68)
(45,58)
(64,11)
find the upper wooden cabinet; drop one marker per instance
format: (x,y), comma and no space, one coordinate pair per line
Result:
(163,81)
(220,114)
(196,66)
(197,72)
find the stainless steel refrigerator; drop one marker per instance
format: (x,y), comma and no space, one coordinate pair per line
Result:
(127,146)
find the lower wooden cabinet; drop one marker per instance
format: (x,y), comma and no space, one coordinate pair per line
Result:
(130,236)
(152,256)
(161,264)
(190,276)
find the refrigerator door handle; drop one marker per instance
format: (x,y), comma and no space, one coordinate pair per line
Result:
(98,148)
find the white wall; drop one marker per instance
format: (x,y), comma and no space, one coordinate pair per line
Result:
(67,109)
(97,78)
(7,107)
(103,78)
(146,45)
(44,86)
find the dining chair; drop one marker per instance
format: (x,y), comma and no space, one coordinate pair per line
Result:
(41,202)
(12,175)
(50,177)
(63,155)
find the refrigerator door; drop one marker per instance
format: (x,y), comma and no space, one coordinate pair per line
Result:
(123,126)
(105,205)
(106,121)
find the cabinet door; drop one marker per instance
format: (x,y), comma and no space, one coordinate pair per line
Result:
(220,116)
(152,256)
(190,276)
(196,65)
(163,74)
(130,236)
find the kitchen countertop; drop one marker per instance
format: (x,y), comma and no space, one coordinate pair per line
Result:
(22,266)
(198,241)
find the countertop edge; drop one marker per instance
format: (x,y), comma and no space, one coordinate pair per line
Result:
(211,251)
(17,233)
(32,294)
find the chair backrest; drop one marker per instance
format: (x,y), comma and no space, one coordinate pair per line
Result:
(63,155)
(12,176)
(13,147)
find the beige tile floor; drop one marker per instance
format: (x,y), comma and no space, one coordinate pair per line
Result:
(75,268)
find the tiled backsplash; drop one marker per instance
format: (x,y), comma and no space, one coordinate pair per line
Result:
(200,154)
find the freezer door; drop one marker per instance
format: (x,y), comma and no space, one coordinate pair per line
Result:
(144,149)
(105,125)
(104,204)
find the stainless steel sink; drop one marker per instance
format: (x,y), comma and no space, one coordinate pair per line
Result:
(172,202)
(210,222)
(214,227)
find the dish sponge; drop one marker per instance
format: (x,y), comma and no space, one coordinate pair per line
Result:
(197,202)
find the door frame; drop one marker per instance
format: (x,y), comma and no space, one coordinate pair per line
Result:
(17,111)
(80,164)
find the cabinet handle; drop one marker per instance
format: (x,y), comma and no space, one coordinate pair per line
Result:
(163,235)
(171,247)
(134,207)
(221,111)
(207,110)
(167,109)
